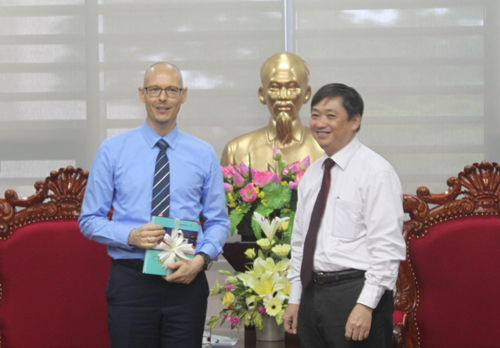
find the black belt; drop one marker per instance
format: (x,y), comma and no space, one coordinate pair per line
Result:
(135,264)
(335,277)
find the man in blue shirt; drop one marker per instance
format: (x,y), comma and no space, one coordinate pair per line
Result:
(147,310)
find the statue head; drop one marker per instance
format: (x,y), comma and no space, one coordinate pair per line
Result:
(285,88)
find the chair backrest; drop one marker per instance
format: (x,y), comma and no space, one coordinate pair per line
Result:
(448,287)
(52,278)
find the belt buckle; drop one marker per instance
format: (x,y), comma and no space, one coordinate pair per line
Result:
(318,280)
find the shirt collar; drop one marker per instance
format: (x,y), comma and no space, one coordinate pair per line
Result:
(344,156)
(152,137)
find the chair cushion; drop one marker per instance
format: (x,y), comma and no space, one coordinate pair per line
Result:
(397,317)
(53,283)
(456,266)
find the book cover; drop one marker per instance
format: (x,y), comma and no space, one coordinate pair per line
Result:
(190,229)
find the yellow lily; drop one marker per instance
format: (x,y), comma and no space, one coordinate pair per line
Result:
(272,267)
(266,284)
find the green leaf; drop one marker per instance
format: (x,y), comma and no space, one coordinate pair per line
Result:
(235,218)
(215,289)
(221,271)
(264,211)
(279,317)
(261,254)
(250,167)
(282,166)
(277,195)
(245,207)
(257,320)
(287,235)
(213,321)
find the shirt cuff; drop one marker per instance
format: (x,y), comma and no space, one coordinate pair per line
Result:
(370,295)
(121,234)
(295,293)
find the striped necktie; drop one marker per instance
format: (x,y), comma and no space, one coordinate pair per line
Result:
(161,184)
(307,269)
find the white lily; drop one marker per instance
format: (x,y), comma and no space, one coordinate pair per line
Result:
(174,246)
(269,228)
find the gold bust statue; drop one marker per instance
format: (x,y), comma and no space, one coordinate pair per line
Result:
(285,88)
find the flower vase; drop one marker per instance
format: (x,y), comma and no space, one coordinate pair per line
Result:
(271,331)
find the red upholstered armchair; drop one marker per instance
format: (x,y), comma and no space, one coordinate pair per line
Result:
(448,288)
(52,278)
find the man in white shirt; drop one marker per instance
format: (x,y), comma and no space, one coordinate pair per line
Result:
(343,296)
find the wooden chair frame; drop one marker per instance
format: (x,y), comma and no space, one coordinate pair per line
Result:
(59,196)
(476,191)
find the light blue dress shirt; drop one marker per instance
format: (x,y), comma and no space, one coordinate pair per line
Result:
(122,176)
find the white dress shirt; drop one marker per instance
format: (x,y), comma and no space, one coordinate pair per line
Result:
(362,223)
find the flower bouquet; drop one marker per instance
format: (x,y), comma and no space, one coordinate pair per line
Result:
(263,288)
(270,193)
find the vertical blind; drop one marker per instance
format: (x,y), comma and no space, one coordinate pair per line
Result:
(69,71)
(420,66)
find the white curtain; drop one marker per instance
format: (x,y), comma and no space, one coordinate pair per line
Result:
(428,71)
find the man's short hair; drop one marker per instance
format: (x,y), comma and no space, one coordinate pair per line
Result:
(351,99)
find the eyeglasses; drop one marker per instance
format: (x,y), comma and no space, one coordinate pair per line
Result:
(155,91)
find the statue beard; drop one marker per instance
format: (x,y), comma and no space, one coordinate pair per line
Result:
(284,128)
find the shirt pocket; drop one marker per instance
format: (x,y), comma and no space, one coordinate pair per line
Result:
(348,219)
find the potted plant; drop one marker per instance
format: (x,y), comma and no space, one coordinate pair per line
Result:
(258,296)
(272,193)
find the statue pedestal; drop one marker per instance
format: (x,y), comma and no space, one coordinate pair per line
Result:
(234,253)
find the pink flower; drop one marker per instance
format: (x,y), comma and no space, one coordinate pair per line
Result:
(234,320)
(250,308)
(295,184)
(276,154)
(228,187)
(298,177)
(228,171)
(306,162)
(229,286)
(238,180)
(291,168)
(261,310)
(248,193)
(225,315)
(261,179)
(243,168)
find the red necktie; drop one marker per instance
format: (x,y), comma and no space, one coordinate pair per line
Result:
(306,271)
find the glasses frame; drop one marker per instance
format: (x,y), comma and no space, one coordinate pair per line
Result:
(163,89)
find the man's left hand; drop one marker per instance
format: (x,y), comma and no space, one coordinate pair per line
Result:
(186,270)
(359,323)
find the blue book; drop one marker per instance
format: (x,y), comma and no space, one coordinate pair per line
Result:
(190,229)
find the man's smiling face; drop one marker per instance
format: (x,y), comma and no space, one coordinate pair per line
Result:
(162,110)
(330,125)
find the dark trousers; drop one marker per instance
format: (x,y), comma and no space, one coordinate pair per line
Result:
(145,311)
(324,310)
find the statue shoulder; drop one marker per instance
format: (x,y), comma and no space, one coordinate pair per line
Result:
(237,149)
(314,150)
(245,141)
